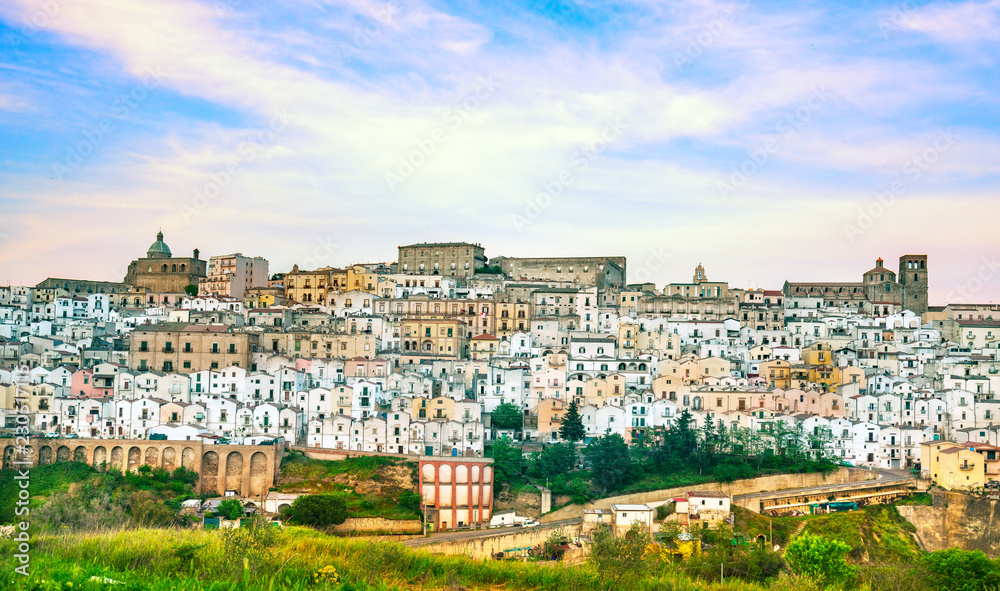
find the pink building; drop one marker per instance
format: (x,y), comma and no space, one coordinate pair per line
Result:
(457,492)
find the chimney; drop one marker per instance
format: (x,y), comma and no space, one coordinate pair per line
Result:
(196,251)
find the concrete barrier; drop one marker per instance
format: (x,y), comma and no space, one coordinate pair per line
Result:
(738,487)
(380,525)
(487,547)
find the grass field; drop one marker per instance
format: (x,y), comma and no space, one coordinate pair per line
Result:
(44,480)
(186,560)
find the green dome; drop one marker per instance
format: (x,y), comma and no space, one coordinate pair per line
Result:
(159,249)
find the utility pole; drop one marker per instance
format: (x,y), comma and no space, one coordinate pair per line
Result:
(722,573)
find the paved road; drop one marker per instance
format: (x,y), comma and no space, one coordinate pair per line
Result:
(885,477)
(451,536)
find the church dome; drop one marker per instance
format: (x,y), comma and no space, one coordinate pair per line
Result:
(159,249)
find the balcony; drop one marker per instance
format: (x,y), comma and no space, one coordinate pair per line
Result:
(967,466)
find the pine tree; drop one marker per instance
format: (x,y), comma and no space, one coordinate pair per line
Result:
(572,425)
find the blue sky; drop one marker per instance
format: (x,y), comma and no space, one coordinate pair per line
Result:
(752,137)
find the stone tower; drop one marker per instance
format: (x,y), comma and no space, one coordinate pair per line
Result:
(913,277)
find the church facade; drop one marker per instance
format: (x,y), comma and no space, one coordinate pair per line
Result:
(880,291)
(161,272)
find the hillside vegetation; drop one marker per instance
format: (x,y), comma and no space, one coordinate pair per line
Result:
(269,558)
(75,496)
(370,486)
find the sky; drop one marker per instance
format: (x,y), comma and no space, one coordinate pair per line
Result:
(765,140)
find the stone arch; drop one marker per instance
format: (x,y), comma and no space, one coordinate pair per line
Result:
(45,455)
(100,457)
(80,454)
(488,475)
(461,474)
(152,457)
(210,471)
(169,459)
(234,471)
(134,458)
(62,454)
(258,473)
(428,472)
(187,458)
(117,457)
(444,473)
(8,457)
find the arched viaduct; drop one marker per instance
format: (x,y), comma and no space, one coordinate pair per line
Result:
(250,470)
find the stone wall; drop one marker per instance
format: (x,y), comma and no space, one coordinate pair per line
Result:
(485,548)
(956,520)
(379,525)
(738,487)
(322,453)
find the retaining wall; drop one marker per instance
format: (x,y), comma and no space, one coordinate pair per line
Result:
(738,487)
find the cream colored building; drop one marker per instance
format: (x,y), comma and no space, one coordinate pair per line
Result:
(433,337)
(176,347)
(232,274)
(452,259)
(951,466)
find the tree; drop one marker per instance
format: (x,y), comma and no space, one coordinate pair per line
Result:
(231,509)
(508,461)
(507,416)
(962,570)
(822,558)
(618,558)
(609,457)
(572,425)
(556,459)
(318,510)
(679,442)
(191,290)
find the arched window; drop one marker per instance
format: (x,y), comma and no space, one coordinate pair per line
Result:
(183,267)
(173,268)
(164,268)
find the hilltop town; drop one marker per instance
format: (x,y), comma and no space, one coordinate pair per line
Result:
(415,356)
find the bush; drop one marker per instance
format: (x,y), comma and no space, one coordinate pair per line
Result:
(251,544)
(962,570)
(821,558)
(318,510)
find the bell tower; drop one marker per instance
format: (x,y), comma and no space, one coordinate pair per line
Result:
(913,277)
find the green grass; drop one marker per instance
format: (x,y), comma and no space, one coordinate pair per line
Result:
(303,474)
(43,481)
(297,465)
(754,524)
(917,499)
(197,560)
(876,534)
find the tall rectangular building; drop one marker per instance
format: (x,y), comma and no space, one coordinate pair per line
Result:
(451,259)
(232,274)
